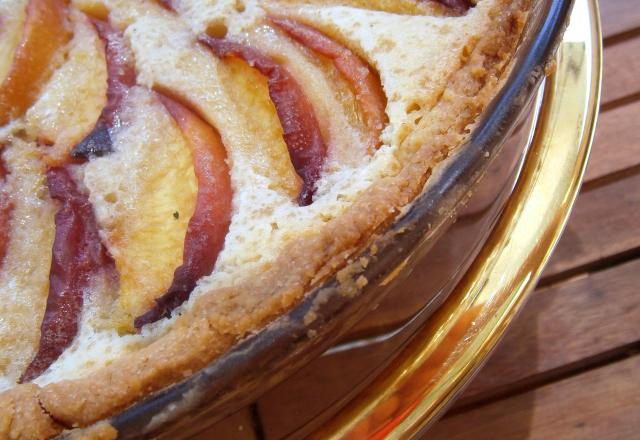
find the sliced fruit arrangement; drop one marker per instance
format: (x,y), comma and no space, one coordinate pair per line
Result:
(144,193)
(301,131)
(120,78)
(79,259)
(300,127)
(405,7)
(363,79)
(45,32)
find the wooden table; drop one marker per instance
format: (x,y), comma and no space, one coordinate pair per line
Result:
(570,365)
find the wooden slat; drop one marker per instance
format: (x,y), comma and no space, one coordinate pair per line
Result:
(617,142)
(619,16)
(564,324)
(620,70)
(601,404)
(604,223)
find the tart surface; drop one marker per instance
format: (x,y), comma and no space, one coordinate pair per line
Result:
(177,174)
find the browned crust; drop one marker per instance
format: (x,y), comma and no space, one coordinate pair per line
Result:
(222,317)
(99,431)
(22,416)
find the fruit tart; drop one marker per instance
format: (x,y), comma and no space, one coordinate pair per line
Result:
(176,174)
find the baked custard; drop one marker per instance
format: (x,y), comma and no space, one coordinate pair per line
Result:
(176,174)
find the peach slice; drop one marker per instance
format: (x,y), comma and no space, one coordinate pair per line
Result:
(45,32)
(265,148)
(301,131)
(210,222)
(144,193)
(121,77)
(77,92)
(78,257)
(363,79)
(24,273)
(12,17)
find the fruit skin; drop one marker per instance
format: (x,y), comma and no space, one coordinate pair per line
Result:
(458,6)
(167,4)
(45,32)
(121,76)
(5,213)
(210,222)
(362,78)
(78,258)
(301,131)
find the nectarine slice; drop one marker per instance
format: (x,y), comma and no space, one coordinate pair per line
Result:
(209,224)
(265,148)
(121,76)
(78,257)
(12,17)
(74,97)
(24,273)
(144,193)
(45,32)
(365,82)
(301,131)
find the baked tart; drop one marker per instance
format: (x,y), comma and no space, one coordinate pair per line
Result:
(176,174)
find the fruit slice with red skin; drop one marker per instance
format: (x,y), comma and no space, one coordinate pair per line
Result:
(45,33)
(167,4)
(78,258)
(5,213)
(364,81)
(458,6)
(121,76)
(209,224)
(301,131)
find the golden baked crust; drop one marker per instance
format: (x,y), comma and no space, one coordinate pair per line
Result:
(220,317)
